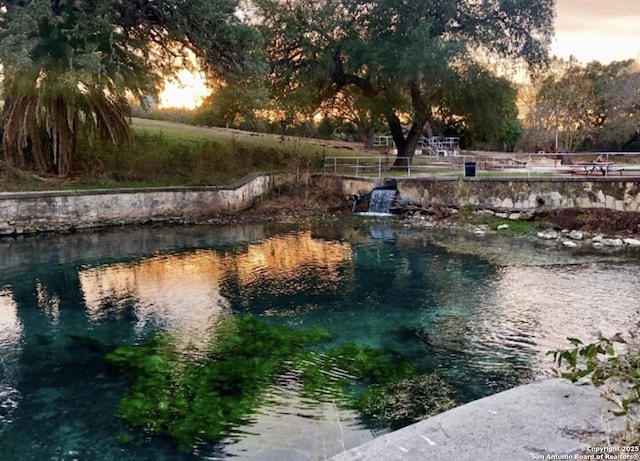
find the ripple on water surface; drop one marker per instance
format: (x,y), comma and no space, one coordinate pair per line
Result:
(485,326)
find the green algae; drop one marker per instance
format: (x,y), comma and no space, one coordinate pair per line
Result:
(410,400)
(201,400)
(387,390)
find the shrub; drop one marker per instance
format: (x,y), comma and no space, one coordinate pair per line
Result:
(618,372)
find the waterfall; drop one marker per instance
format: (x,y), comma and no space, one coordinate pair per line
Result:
(381,200)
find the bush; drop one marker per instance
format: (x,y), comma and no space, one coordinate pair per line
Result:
(617,372)
(603,220)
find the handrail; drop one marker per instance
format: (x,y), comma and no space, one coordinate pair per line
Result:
(494,164)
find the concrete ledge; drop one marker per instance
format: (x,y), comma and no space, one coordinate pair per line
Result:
(31,212)
(529,422)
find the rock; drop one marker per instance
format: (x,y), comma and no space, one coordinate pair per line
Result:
(485,213)
(569,243)
(548,234)
(631,242)
(576,235)
(503,226)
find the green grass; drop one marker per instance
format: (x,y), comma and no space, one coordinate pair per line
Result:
(183,156)
(171,154)
(174,154)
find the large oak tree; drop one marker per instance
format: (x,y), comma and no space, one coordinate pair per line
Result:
(70,65)
(414,56)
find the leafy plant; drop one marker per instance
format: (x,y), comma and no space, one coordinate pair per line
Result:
(603,365)
(201,400)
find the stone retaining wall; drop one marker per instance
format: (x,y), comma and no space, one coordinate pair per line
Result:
(30,212)
(505,195)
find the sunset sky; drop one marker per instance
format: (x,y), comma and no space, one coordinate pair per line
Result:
(602,30)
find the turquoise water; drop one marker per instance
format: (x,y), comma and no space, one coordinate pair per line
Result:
(64,300)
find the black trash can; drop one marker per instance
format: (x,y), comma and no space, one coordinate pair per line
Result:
(469,169)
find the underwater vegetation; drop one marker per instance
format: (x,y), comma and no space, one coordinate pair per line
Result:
(193,400)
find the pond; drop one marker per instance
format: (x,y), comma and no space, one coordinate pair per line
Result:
(67,302)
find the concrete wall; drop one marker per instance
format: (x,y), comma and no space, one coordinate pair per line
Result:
(29,212)
(505,194)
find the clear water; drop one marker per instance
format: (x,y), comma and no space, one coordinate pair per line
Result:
(486,326)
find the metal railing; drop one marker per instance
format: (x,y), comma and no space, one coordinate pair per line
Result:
(370,166)
(437,146)
(489,165)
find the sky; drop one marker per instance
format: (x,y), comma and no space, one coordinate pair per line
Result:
(602,30)
(187,90)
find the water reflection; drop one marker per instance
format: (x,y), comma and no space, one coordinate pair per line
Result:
(486,326)
(278,264)
(181,293)
(382,232)
(48,303)
(10,335)
(176,293)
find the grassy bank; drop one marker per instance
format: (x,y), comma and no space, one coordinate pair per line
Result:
(171,154)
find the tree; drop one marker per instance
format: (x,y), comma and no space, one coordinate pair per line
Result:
(349,105)
(234,105)
(483,107)
(592,105)
(70,65)
(617,87)
(405,54)
(570,106)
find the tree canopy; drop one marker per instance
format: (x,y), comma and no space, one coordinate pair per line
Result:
(412,56)
(589,106)
(70,66)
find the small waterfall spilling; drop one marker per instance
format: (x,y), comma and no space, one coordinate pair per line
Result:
(381,200)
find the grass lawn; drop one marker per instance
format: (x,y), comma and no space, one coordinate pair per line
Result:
(173,154)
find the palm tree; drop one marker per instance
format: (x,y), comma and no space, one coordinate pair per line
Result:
(45,119)
(71,66)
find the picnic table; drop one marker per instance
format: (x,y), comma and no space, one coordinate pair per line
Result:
(592,168)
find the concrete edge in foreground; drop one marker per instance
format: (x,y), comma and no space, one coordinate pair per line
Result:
(549,417)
